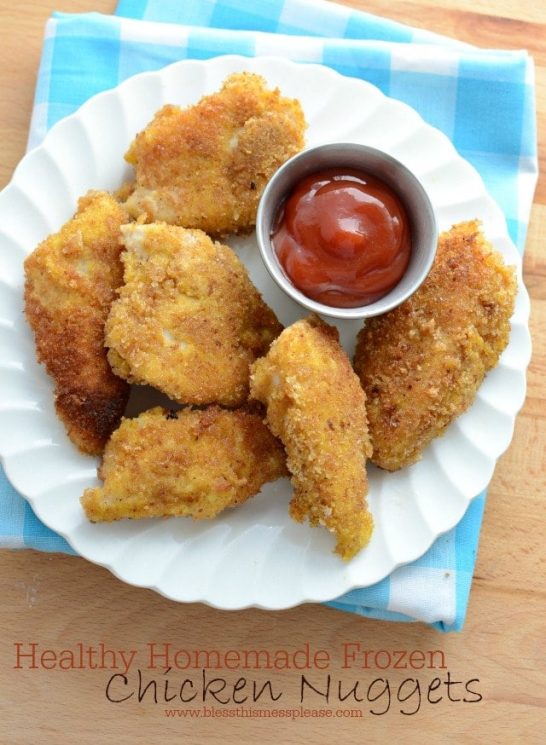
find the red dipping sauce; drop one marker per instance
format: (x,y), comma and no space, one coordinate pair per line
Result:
(343,238)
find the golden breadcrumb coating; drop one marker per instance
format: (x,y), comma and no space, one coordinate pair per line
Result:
(206,166)
(422,364)
(317,407)
(190,463)
(188,319)
(71,279)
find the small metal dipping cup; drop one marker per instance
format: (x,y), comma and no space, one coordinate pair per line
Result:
(403,182)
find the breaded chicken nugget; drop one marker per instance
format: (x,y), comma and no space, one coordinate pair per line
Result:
(191,463)
(206,166)
(71,279)
(188,319)
(422,363)
(316,406)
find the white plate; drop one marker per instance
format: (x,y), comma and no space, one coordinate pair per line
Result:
(254,555)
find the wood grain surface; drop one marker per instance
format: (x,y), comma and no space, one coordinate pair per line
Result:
(58,601)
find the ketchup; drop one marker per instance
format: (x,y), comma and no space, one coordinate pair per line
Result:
(343,238)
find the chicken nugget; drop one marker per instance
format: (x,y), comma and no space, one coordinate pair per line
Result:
(191,463)
(422,364)
(317,407)
(71,278)
(188,320)
(206,166)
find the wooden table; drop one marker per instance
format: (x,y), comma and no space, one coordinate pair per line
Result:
(58,601)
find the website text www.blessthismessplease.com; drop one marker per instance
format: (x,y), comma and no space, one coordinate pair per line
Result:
(249,712)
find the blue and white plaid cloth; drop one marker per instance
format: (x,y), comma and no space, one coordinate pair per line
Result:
(482,99)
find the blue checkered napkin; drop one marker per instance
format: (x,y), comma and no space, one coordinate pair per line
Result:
(298,17)
(483,100)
